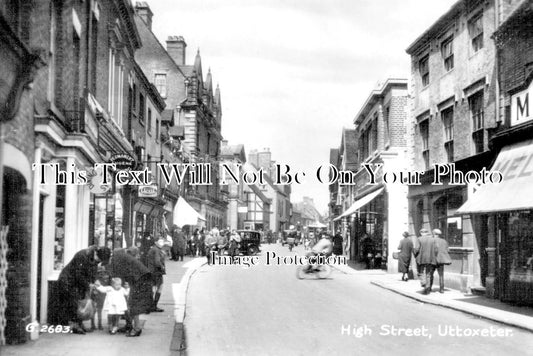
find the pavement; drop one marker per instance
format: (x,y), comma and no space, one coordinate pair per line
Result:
(162,332)
(491,309)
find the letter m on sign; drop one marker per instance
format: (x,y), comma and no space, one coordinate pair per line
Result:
(522,109)
(520,106)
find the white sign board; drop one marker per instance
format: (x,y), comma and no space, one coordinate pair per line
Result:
(521,108)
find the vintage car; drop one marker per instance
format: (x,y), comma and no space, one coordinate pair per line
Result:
(250,242)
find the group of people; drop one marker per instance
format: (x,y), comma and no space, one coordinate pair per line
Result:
(219,241)
(119,283)
(431,253)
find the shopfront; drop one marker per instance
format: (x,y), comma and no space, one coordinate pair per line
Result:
(506,209)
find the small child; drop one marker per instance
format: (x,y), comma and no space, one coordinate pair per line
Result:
(115,302)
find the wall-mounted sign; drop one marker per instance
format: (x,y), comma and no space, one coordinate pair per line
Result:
(148,191)
(521,108)
(122,161)
(95,178)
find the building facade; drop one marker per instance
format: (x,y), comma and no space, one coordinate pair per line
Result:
(279,194)
(378,213)
(234,157)
(503,212)
(196,107)
(453,115)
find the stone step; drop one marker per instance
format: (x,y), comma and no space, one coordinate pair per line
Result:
(479,290)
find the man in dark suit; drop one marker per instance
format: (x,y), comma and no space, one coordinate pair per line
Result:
(426,257)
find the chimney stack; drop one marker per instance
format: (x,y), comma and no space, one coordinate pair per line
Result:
(144,12)
(176,49)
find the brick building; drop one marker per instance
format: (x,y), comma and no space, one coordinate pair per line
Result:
(453,114)
(20,61)
(503,212)
(197,108)
(280,195)
(344,159)
(377,214)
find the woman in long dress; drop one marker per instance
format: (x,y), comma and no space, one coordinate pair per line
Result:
(404,256)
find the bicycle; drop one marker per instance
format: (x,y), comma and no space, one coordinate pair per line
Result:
(321,271)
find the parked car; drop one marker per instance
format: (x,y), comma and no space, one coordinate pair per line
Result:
(250,242)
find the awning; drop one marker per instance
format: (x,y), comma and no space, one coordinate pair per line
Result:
(515,192)
(184,214)
(360,203)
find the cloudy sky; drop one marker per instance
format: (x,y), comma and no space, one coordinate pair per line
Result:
(293,73)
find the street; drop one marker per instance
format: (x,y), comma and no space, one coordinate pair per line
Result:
(265,310)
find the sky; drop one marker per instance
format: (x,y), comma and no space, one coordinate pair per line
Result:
(293,73)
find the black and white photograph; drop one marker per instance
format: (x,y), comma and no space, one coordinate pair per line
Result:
(266,177)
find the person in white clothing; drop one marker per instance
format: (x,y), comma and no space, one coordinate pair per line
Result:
(115,301)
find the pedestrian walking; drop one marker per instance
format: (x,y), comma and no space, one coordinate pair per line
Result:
(222,240)
(156,265)
(337,243)
(443,257)
(426,257)
(210,246)
(179,244)
(404,256)
(234,241)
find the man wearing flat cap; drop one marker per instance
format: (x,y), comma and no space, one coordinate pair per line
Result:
(443,258)
(426,258)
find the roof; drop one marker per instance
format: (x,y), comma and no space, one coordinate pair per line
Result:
(376,95)
(349,147)
(177,131)
(167,116)
(435,29)
(334,156)
(187,70)
(233,150)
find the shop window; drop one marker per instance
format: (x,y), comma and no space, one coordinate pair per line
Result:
(444,218)
(59,237)
(520,243)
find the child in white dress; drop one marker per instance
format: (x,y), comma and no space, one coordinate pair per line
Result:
(115,301)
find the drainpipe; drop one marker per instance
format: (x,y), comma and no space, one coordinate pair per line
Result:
(35,245)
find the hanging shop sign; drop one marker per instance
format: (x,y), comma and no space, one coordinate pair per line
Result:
(148,191)
(122,161)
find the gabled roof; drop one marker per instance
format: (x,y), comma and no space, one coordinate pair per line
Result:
(231,151)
